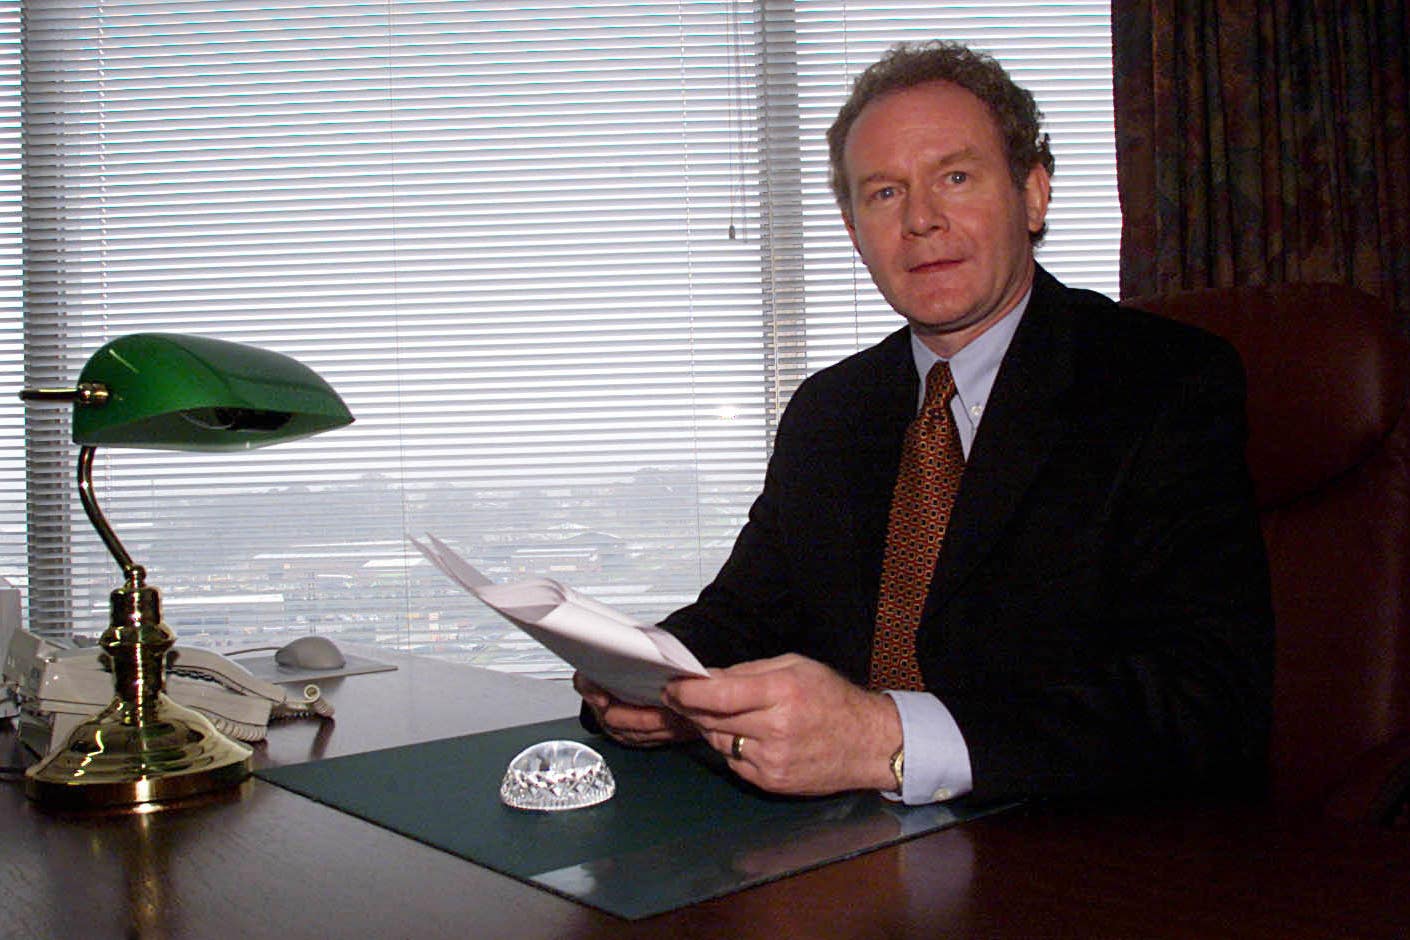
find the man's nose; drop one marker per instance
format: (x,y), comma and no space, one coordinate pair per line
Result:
(925,213)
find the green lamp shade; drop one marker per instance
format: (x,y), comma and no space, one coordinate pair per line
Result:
(174,392)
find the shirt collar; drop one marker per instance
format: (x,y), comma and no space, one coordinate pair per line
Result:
(976,365)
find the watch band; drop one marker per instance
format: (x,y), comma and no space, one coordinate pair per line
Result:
(898,767)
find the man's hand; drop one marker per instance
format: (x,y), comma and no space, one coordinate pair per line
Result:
(633,725)
(802,727)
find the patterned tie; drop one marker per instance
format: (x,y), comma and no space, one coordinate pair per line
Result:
(931,463)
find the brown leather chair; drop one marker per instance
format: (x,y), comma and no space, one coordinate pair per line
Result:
(1329,451)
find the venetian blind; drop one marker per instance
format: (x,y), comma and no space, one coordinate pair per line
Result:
(565,261)
(12,489)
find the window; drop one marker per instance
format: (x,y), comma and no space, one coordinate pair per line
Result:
(565,262)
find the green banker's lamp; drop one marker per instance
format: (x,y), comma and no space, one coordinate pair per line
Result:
(169,392)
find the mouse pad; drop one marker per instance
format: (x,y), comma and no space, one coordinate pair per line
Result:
(680,829)
(264,667)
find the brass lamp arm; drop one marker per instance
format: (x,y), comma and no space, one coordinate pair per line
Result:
(134,573)
(85,393)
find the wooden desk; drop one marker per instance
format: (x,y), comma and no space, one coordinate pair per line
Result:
(263,862)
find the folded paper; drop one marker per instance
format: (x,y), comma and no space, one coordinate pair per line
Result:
(630,659)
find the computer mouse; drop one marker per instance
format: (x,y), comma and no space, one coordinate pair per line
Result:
(310,652)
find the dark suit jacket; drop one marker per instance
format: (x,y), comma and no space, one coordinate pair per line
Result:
(1099,618)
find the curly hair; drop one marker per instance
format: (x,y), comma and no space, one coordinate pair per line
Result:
(907,65)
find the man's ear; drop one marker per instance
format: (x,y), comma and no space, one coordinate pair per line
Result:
(1036,192)
(851,230)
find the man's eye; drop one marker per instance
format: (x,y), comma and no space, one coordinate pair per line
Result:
(883,193)
(957,176)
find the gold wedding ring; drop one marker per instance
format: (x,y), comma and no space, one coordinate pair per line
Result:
(736,747)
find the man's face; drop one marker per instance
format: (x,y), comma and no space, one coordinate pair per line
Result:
(935,215)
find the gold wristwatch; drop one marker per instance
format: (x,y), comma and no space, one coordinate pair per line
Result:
(898,767)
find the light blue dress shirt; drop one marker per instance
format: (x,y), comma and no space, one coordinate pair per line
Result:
(937,758)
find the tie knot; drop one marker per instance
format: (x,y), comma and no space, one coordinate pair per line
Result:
(939,386)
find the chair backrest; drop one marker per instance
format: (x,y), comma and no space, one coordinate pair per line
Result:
(1329,452)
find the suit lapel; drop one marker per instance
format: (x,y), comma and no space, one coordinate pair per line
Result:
(1023,419)
(874,459)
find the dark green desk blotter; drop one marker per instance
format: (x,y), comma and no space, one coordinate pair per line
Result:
(680,829)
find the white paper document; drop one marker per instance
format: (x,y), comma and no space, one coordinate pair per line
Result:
(630,659)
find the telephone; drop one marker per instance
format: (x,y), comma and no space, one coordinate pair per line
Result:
(57,688)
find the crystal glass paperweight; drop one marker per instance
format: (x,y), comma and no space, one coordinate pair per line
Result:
(557,775)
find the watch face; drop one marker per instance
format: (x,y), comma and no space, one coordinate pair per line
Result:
(898,767)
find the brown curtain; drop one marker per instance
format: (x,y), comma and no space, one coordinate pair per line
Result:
(1261,142)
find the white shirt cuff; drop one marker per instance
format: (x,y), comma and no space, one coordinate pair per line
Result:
(937,758)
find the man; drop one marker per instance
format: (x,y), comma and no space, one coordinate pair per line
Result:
(1098,618)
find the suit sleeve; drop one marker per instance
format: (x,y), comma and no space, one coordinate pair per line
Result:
(803,573)
(749,610)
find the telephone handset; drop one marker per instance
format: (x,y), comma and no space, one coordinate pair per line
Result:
(206,678)
(58,688)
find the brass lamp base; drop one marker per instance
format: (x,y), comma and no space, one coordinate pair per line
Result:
(143,748)
(106,762)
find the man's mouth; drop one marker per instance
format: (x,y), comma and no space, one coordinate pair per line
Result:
(931,267)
